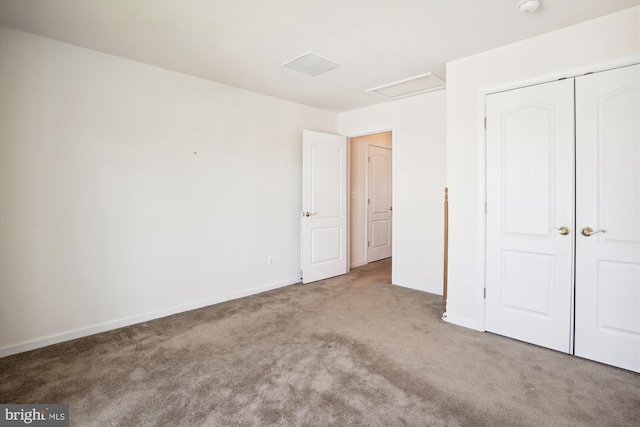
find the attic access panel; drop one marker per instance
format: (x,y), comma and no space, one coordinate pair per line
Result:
(409,87)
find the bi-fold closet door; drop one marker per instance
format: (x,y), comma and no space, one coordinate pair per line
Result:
(563,215)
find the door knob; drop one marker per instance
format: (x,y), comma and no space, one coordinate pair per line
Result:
(564,230)
(588,231)
(308,214)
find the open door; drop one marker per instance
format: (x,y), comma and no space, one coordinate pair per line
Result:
(324,206)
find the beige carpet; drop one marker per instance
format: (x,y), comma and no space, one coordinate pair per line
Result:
(353,350)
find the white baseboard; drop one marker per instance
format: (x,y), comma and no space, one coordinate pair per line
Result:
(128,321)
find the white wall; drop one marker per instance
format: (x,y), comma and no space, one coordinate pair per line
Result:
(591,46)
(419,161)
(358,193)
(128,192)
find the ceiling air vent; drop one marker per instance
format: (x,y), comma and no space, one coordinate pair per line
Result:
(409,87)
(310,64)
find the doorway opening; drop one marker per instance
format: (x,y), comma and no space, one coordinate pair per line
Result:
(370,198)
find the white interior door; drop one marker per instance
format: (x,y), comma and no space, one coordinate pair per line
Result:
(379,203)
(324,206)
(530,158)
(608,202)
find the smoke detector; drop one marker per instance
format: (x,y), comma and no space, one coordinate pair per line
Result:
(527,6)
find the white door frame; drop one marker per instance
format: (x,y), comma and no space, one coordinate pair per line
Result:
(482,162)
(393,188)
(393,185)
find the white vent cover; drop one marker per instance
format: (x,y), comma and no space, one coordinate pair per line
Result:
(310,64)
(409,87)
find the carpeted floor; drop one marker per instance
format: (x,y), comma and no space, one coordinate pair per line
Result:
(352,350)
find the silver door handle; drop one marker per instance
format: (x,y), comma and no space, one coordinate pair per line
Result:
(564,230)
(588,231)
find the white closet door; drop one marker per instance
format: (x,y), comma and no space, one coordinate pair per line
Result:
(530,173)
(608,202)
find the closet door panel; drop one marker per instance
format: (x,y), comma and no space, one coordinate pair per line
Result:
(607,288)
(530,157)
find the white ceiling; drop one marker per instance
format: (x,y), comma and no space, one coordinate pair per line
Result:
(244,43)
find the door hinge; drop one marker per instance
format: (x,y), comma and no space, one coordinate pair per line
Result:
(485,293)
(368,244)
(485,122)
(368,201)
(369,158)
(485,207)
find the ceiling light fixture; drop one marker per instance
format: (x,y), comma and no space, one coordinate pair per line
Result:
(409,87)
(527,6)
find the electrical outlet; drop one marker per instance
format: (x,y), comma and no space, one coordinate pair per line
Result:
(271,260)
